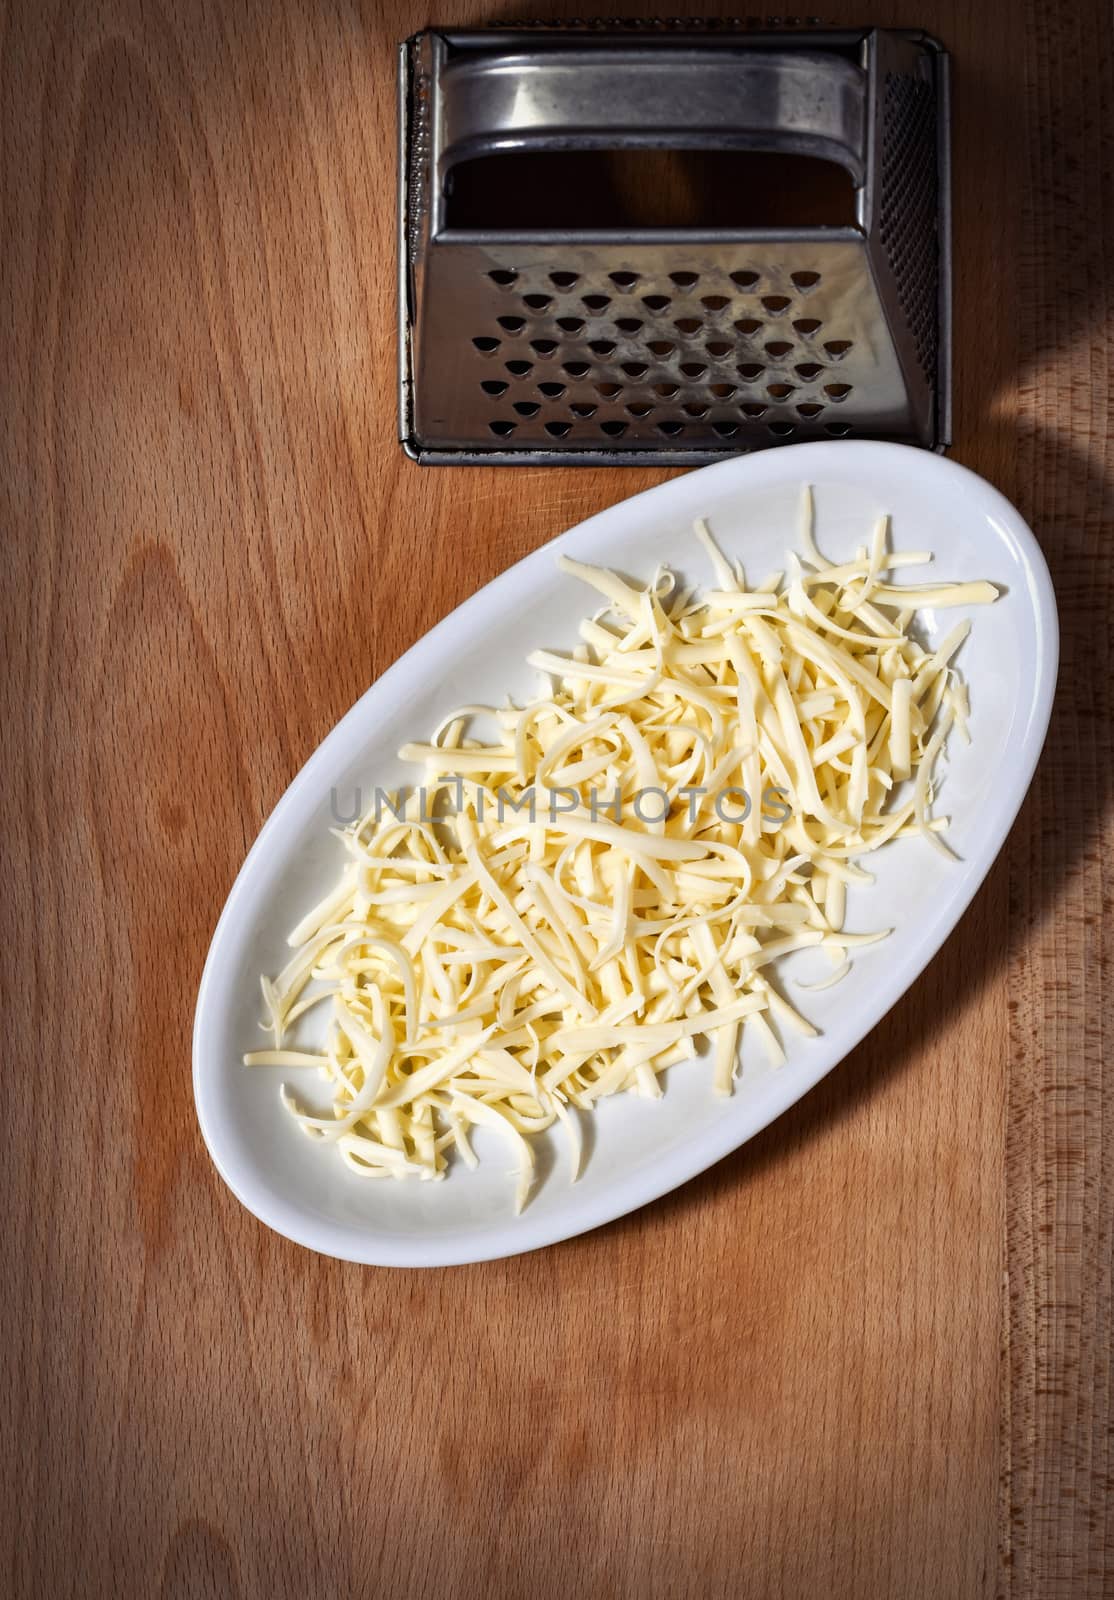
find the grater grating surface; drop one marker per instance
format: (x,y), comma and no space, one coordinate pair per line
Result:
(908,215)
(609,353)
(682,345)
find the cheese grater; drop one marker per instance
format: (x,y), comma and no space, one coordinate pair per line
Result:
(668,242)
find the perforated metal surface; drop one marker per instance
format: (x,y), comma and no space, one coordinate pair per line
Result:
(655,25)
(620,358)
(415,160)
(659,362)
(909,205)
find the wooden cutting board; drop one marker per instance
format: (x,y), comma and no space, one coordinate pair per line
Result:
(867,1356)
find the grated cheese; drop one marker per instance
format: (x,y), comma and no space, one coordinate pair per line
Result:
(704,771)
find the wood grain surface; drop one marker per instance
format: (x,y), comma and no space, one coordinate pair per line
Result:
(867,1356)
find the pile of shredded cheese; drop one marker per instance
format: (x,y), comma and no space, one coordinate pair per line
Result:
(705,771)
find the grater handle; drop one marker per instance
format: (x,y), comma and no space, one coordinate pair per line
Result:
(798,102)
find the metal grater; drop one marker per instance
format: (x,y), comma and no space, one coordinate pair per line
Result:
(525,342)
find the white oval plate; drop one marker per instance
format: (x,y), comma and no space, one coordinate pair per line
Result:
(636,1149)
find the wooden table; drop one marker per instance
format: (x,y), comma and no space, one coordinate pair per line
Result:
(869,1355)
